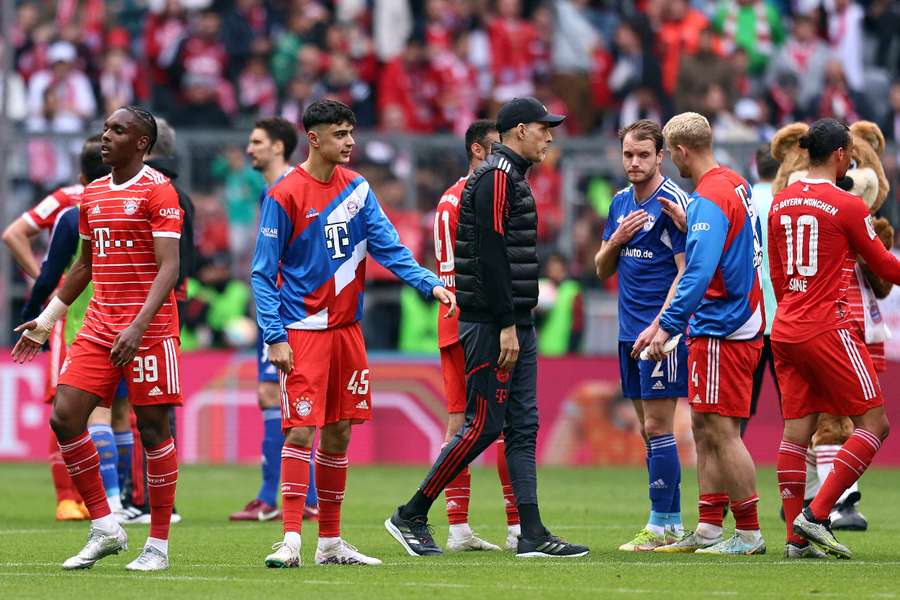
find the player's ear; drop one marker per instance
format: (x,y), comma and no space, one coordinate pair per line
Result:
(313,138)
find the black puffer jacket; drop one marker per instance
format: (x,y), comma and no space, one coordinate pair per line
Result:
(495,252)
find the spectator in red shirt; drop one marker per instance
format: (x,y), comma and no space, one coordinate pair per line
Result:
(546,186)
(342,83)
(457,97)
(406,91)
(163,32)
(512,41)
(679,35)
(257,92)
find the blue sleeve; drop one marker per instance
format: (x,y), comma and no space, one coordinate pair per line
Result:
(707,230)
(611,224)
(275,231)
(63,245)
(677,237)
(384,245)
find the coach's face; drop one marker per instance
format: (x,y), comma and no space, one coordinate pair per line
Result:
(536,139)
(122,138)
(261,150)
(334,142)
(640,159)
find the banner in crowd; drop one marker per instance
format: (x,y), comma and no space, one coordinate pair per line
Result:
(584,419)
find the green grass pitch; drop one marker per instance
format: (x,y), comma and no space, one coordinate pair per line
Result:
(214,559)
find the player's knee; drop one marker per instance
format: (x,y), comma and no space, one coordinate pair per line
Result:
(654,427)
(61,425)
(336,436)
(267,395)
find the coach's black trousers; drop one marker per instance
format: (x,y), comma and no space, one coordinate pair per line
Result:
(496,401)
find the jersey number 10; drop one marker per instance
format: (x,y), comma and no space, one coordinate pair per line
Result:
(806,259)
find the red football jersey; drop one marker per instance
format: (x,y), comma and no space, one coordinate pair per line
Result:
(446,217)
(43,216)
(121,222)
(815,232)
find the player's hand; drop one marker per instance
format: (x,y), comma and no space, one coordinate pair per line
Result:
(445,297)
(655,348)
(509,348)
(676,213)
(281,355)
(629,226)
(26,348)
(126,345)
(644,339)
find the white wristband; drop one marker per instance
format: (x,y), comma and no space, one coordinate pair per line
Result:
(54,311)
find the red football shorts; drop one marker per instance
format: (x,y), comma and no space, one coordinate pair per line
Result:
(453,367)
(57,342)
(721,375)
(330,380)
(152,376)
(830,373)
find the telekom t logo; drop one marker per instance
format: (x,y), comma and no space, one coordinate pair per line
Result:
(337,239)
(101,234)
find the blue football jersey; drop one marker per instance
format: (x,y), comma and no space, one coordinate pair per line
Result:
(647,263)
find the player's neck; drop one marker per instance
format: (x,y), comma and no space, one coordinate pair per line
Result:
(645,189)
(319,168)
(825,172)
(127,172)
(274,171)
(703,164)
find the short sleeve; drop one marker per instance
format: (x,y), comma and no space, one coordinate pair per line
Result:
(84,229)
(43,216)
(611,224)
(166,215)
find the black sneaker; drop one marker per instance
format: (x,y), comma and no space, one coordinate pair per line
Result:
(548,546)
(845,517)
(413,534)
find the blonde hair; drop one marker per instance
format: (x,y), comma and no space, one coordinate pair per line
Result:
(688,129)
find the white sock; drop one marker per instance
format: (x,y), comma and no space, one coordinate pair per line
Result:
(657,529)
(107,524)
(749,536)
(825,460)
(708,531)
(292,539)
(328,542)
(161,545)
(514,530)
(115,503)
(812,475)
(460,531)
(848,491)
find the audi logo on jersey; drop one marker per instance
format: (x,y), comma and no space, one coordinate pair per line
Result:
(337,239)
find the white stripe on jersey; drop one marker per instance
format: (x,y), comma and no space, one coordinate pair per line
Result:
(680,196)
(285,402)
(858,364)
(346,273)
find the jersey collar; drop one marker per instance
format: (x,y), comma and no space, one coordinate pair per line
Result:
(119,187)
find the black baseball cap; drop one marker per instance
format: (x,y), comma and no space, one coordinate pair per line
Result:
(525,110)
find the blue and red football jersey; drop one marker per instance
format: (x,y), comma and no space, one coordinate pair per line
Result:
(719,291)
(320,233)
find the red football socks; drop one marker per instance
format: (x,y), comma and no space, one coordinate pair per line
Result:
(83,464)
(745,514)
(62,483)
(711,507)
(162,477)
(792,484)
(850,463)
(509,498)
(294,485)
(331,482)
(457,494)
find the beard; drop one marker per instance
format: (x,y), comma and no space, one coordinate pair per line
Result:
(640,177)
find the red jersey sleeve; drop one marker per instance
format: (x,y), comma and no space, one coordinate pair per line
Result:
(166,216)
(43,216)
(776,263)
(84,230)
(857,224)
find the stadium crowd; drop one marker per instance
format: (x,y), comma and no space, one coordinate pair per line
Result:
(427,67)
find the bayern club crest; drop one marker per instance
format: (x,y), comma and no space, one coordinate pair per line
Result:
(352,207)
(303,406)
(131,206)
